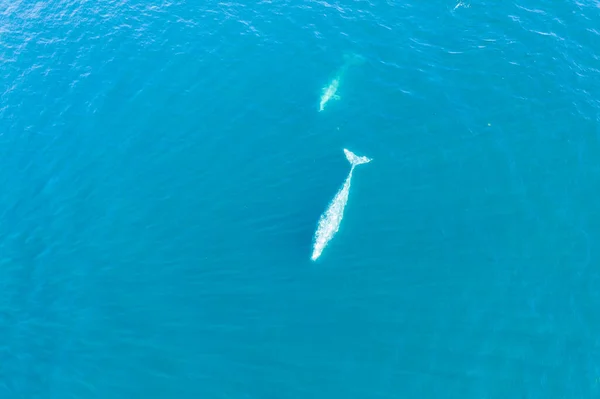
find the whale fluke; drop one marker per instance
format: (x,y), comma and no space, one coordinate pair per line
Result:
(355,159)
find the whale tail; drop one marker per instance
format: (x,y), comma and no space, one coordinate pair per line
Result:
(355,159)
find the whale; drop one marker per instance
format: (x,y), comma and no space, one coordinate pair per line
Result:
(329,93)
(330,220)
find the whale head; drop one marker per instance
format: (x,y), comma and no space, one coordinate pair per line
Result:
(329,93)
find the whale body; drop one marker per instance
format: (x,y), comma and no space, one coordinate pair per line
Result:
(329,93)
(330,220)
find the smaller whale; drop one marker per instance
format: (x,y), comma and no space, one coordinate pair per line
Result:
(330,220)
(329,93)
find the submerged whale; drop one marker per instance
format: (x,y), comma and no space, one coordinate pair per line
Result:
(330,220)
(329,93)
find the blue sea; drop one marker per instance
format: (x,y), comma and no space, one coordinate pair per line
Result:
(164,164)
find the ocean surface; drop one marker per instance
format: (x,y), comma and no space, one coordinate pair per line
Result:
(163,166)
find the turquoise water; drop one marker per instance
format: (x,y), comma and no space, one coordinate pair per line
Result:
(164,165)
